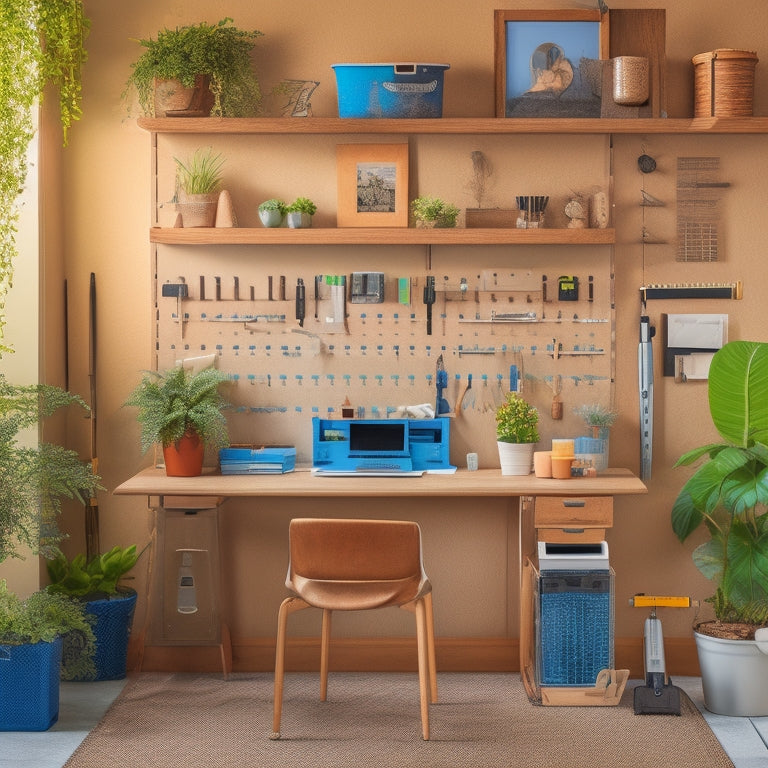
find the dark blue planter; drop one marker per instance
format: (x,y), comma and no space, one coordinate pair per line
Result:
(29,686)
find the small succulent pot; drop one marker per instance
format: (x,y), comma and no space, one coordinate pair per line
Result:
(271,218)
(298,220)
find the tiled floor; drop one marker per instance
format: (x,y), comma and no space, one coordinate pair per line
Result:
(83,704)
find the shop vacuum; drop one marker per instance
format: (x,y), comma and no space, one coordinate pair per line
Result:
(658,696)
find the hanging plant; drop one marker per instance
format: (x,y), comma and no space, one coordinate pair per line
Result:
(42,43)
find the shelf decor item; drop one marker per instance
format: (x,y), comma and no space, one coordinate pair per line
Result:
(516,434)
(434,212)
(197,188)
(300,212)
(272,212)
(372,185)
(209,68)
(631,80)
(543,62)
(724,83)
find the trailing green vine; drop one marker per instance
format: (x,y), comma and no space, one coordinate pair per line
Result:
(42,42)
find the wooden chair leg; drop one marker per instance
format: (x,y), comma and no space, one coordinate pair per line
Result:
(431,646)
(424,684)
(288,606)
(325,642)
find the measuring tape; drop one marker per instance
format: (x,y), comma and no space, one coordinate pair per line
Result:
(645,371)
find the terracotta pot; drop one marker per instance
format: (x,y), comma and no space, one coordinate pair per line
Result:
(184,458)
(172,99)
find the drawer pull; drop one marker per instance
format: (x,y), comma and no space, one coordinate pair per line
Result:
(573,530)
(574,503)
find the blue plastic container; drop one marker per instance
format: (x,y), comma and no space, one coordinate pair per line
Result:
(112,630)
(29,686)
(390,90)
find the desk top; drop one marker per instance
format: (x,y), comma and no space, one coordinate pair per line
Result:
(483,482)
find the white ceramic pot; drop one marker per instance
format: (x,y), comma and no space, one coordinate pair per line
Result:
(734,676)
(516,458)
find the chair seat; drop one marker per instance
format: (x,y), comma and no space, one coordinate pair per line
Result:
(349,595)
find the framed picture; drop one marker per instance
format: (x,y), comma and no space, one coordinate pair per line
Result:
(372,185)
(548,63)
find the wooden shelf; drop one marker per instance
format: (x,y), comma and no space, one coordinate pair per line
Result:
(453,125)
(380,236)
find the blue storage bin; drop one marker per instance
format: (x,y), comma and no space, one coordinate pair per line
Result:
(112,630)
(29,686)
(390,90)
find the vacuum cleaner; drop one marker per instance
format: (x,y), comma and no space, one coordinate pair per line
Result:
(658,696)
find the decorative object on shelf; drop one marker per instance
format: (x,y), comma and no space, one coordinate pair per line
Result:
(542,62)
(576,213)
(183,412)
(724,83)
(300,212)
(272,212)
(599,214)
(390,90)
(372,185)
(630,80)
(516,434)
(210,64)
(225,211)
(295,95)
(728,494)
(197,188)
(94,583)
(531,211)
(434,212)
(480,217)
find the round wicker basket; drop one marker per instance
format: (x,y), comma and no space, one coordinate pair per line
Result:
(724,83)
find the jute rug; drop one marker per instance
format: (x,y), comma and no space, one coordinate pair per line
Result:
(481,721)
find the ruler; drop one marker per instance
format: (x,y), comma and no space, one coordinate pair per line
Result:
(645,379)
(692,291)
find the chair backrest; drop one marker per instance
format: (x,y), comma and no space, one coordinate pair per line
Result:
(355,550)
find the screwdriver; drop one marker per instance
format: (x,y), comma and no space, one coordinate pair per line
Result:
(300,302)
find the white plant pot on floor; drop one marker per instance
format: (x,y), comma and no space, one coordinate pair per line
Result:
(734,676)
(516,458)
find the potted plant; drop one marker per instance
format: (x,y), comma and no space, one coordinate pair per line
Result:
(599,421)
(300,212)
(198,181)
(33,482)
(727,494)
(183,412)
(516,434)
(433,212)
(197,70)
(95,583)
(272,212)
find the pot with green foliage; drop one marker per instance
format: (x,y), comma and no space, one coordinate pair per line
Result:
(183,412)
(516,434)
(33,482)
(197,70)
(272,212)
(599,421)
(728,496)
(434,212)
(95,583)
(300,212)
(198,181)
(43,44)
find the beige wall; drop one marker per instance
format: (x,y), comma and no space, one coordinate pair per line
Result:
(106,201)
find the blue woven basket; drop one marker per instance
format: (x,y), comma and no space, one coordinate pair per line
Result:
(29,686)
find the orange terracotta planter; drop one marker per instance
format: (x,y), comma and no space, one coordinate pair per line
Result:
(185,457)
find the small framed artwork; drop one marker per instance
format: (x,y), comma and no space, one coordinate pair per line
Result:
(549,63)
(372,185)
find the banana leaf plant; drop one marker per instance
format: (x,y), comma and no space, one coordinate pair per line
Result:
(728,492)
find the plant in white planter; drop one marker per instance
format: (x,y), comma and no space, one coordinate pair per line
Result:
(728,495)
(272,212)
(516,434)
(300,212)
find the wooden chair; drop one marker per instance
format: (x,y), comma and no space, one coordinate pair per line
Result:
(357,565)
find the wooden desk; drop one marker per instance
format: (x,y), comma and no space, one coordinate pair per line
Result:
(212,487)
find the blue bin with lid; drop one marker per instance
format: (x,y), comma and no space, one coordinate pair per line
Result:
(390,90)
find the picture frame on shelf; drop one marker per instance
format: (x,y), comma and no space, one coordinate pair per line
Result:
(549,63)
(372,185)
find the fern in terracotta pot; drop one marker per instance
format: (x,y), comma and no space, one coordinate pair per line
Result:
(183,411)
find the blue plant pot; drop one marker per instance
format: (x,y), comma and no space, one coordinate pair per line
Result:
(114,617)
(29,686)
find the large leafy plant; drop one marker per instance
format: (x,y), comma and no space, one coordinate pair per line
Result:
(728,493)
(42,42)
(173,402)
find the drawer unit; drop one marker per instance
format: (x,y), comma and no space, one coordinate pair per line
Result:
(573,518)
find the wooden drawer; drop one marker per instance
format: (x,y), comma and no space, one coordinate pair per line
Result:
(568,518)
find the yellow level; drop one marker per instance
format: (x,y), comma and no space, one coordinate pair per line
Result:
(659,601)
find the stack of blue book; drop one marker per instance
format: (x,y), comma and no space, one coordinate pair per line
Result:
(257,461)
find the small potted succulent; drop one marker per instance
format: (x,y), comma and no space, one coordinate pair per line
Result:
(517,433)
(434,212)
(300,212)
(272,212)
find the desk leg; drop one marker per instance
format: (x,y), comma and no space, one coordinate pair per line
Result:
(527,548)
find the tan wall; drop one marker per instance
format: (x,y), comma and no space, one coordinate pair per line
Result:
(107,206)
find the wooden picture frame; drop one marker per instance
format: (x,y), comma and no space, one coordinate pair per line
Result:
(372,185)
(547,62)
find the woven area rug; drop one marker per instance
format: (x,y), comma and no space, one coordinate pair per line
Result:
(481,721)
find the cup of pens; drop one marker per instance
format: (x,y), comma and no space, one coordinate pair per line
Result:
(531,211)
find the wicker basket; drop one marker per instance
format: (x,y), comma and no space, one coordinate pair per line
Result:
(724,83)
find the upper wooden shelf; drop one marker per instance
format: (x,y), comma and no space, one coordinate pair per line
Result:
(452,125)
(378,236)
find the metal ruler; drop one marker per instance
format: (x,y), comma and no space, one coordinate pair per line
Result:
(645,375)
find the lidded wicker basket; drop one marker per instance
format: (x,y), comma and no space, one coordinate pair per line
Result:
(724,83)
